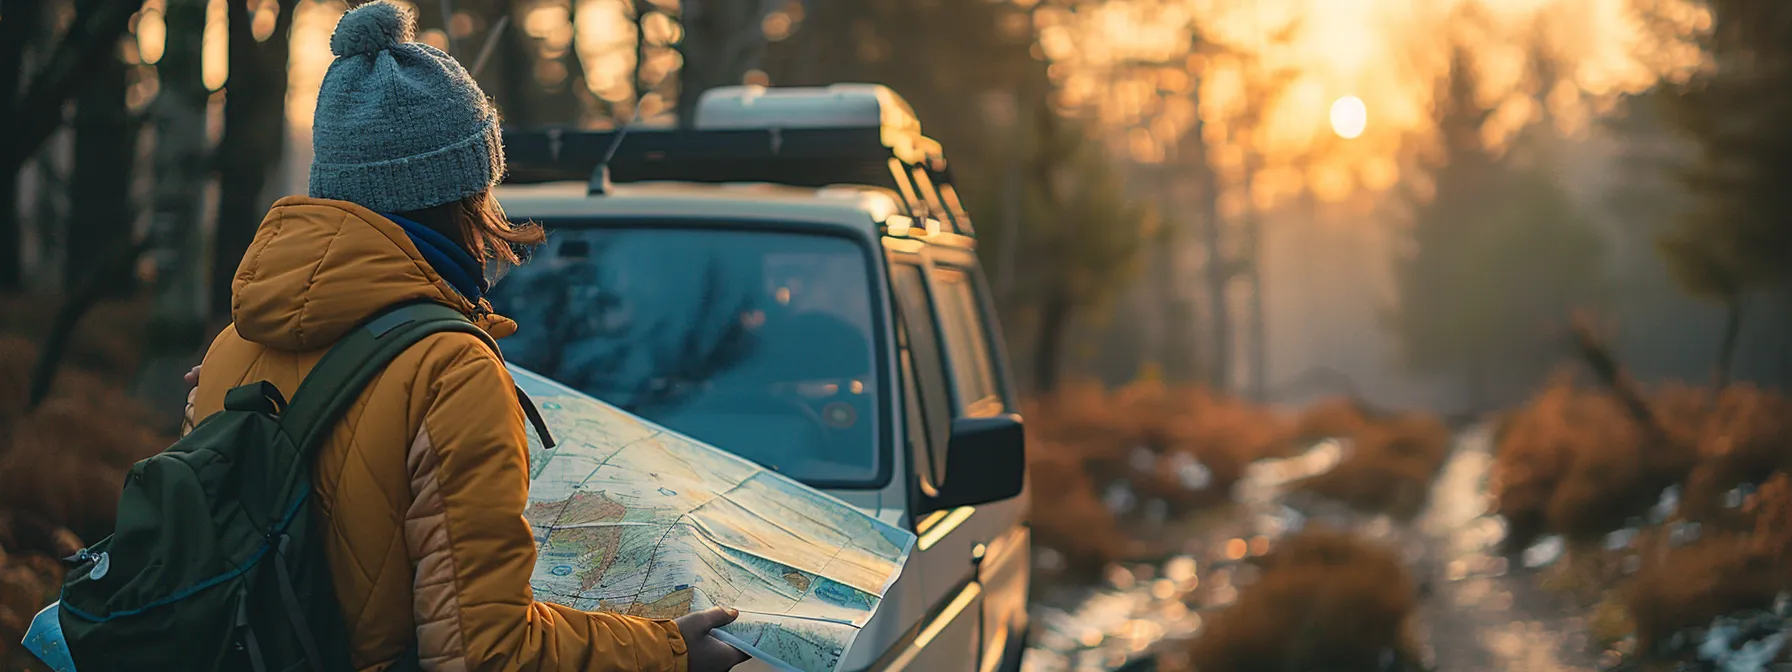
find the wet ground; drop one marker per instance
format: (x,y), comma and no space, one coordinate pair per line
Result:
(1482,613)
(1479,612)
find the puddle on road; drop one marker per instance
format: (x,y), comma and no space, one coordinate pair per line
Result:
(1478,616)
(1145,609)
(1142,609)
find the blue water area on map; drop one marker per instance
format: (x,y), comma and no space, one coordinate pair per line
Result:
(841,594)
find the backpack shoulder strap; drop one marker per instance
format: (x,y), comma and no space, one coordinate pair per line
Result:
(337,379)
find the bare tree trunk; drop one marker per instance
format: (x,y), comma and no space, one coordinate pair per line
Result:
(722,41)
(568,101)
(1026,98)
(1183,361)
(99,192)
(430,14)
(1054,323)
(1726,352)
(1257,348)
(254,141)
(176,326)
(1250,265)
(446,8)
(49,217)
(523,97)
(1181,357)
(11,237)
(512,69)
(815,22)
(1786,337)
(16,32)
(32,115)
(1219,266)
(640,9)
(1014,190)
(1161,287)
(180,161)
(822,50)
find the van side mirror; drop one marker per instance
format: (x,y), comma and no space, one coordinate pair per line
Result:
(986,461)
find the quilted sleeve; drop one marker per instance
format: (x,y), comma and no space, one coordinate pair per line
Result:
(474,551)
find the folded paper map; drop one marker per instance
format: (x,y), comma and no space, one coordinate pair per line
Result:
(632,518)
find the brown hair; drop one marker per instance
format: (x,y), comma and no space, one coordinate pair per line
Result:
(478,224)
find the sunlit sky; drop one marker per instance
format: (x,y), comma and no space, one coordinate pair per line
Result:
(1126,66)
(1388,53)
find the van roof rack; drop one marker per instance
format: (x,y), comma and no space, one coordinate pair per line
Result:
(808,137)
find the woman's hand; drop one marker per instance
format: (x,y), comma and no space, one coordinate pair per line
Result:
(705,653)
(186,417)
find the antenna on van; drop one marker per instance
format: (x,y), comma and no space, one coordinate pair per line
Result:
(600,175)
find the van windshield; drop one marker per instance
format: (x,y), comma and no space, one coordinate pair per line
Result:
(757,342)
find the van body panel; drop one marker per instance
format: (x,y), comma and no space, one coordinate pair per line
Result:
(1004,574)
(960,603)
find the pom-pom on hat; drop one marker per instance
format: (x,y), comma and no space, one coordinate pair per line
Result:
(371,28)
(399,124)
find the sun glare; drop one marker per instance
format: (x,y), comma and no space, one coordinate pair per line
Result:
(1349,117)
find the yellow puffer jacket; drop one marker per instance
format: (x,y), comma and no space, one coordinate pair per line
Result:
(420,491)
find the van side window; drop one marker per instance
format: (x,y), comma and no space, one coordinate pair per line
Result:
(924,363)
(917,426)
(967,346)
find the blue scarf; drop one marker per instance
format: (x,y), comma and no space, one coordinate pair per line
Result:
(450,261)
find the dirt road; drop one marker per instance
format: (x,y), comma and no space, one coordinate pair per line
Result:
(1481,614)
(1478,613)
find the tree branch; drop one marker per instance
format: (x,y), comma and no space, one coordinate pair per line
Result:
(94,36)
(121,261)
(1599,358)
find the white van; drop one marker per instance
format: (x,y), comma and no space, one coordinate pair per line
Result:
(794,280)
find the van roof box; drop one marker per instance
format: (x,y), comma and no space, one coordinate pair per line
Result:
(809,137)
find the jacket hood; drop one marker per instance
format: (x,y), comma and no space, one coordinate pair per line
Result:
(318,268)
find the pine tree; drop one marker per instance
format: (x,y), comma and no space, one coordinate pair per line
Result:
(1737,238)
(1500,256)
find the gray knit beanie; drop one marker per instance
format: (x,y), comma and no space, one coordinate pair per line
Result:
(399,125)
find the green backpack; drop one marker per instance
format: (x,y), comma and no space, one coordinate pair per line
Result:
(213,564)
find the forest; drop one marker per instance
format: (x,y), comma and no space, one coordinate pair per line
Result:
(1412,305)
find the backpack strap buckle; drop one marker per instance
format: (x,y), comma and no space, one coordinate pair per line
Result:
(261,397)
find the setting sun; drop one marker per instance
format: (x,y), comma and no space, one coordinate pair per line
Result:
(1349,117)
